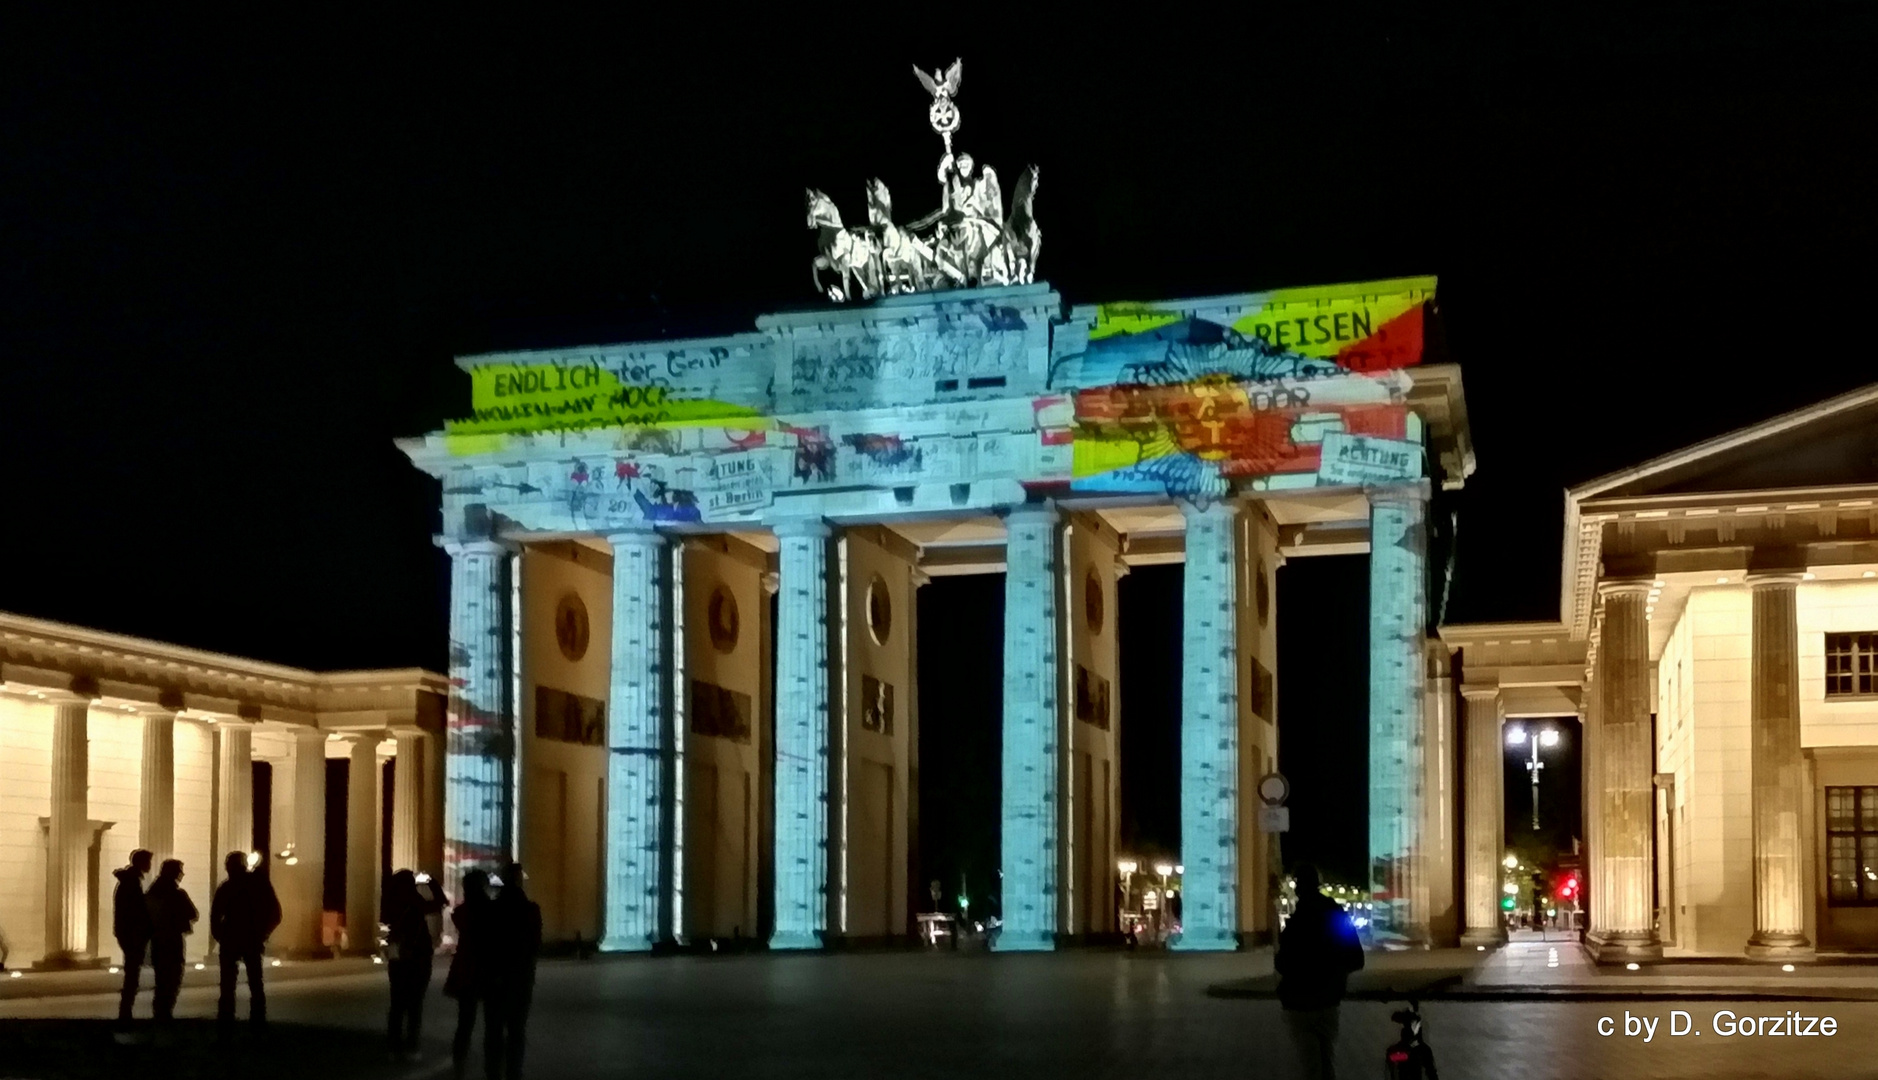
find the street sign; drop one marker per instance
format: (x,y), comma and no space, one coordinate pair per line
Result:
(1274,819)
(1274,789)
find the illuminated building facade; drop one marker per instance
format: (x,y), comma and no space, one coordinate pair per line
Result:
(110,743)
(1720,611)
(673,762)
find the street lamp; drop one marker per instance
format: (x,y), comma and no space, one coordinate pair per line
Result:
(1547,737)
(1127,868)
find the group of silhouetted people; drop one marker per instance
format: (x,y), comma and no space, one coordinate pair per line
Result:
(152,923)
(498,937)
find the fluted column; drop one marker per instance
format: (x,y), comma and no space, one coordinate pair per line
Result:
(1623,902)
(1440,801)
(156,817)
(803,731)
(1398,627)
(298,837)
(68,926)
(407,798)
(362,843)
(479,788)
(1485,784)
(1780,850)
(234,823)
(640,743)
(1209,733)
(1032,778)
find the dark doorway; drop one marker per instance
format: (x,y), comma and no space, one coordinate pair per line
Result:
(1148,629)
(1552,850)
(1323,712)
(337,784)
(961,708)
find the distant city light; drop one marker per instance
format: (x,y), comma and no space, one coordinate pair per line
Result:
(1163,869)
(1510,889)
(201,967)
(1127,866)
(1786,967)
(1548,737)
(1632,966)
(1515,735)
(1511,862)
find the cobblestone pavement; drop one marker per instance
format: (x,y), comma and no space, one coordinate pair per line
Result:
(1086,1015)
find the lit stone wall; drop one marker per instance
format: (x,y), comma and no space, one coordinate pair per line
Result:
(116,769)
(25,797)
(1720,824)
(1258,714)
(876,866)
(1833,607)
(1093,704)
(195,794)
(561,800)
(1676,735)
(723,738)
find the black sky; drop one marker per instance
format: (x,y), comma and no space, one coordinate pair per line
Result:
(236,257)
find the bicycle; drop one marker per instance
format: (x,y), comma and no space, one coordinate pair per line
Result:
(1410,1057)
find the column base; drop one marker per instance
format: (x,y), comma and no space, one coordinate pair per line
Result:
(71,962)
(1780,947)
(1493,937)
(794,940)
(1008,940)
(1624,948)
(625,944)
(1204,940)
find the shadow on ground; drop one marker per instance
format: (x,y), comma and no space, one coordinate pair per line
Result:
(61,1049)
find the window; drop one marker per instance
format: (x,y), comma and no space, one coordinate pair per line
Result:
(1851,846)
(1851,665)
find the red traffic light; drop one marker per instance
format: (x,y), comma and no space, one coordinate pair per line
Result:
(1568,887)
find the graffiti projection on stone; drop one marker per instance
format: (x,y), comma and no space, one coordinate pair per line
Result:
(1293,388)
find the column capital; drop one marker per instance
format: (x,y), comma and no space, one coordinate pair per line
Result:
(1774,579)
(1477,692)
(1218,509)
(1416,491)
(811,527)
(459,546)
(641,535)
(1625,587)
(1031,510)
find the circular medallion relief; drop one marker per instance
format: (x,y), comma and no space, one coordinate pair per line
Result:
(879,610)
(724,622)
(1262,592)
(1092,602)
(571,631)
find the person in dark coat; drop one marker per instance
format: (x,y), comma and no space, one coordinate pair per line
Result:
(244,912)
(1316,954)
(130,924)
(515,943)
(408,952)
(172,917)
(468,964)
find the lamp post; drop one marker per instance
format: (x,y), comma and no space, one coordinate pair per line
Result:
(1126,868)
(1161,913)
(1546,736)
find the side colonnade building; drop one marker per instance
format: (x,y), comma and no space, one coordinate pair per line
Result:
(111,743)
(1719,645)
(684,668)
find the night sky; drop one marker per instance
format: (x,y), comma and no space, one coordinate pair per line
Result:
(237,257)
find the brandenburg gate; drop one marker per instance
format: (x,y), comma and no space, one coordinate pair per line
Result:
(671,761)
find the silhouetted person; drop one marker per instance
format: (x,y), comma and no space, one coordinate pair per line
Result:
(408,951)
(172,916)
(1316,953)
(515,943)
(469,965)
(244,912)
(130,924)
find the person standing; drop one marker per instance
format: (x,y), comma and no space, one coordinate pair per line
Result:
(172,917)
(130,924)
(515,945)
(1316,954)
(468,965)
(408,953)
(244,912)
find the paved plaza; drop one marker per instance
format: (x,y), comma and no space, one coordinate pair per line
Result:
(1089,1015)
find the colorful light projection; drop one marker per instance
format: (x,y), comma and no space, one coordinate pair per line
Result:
(1296,388)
